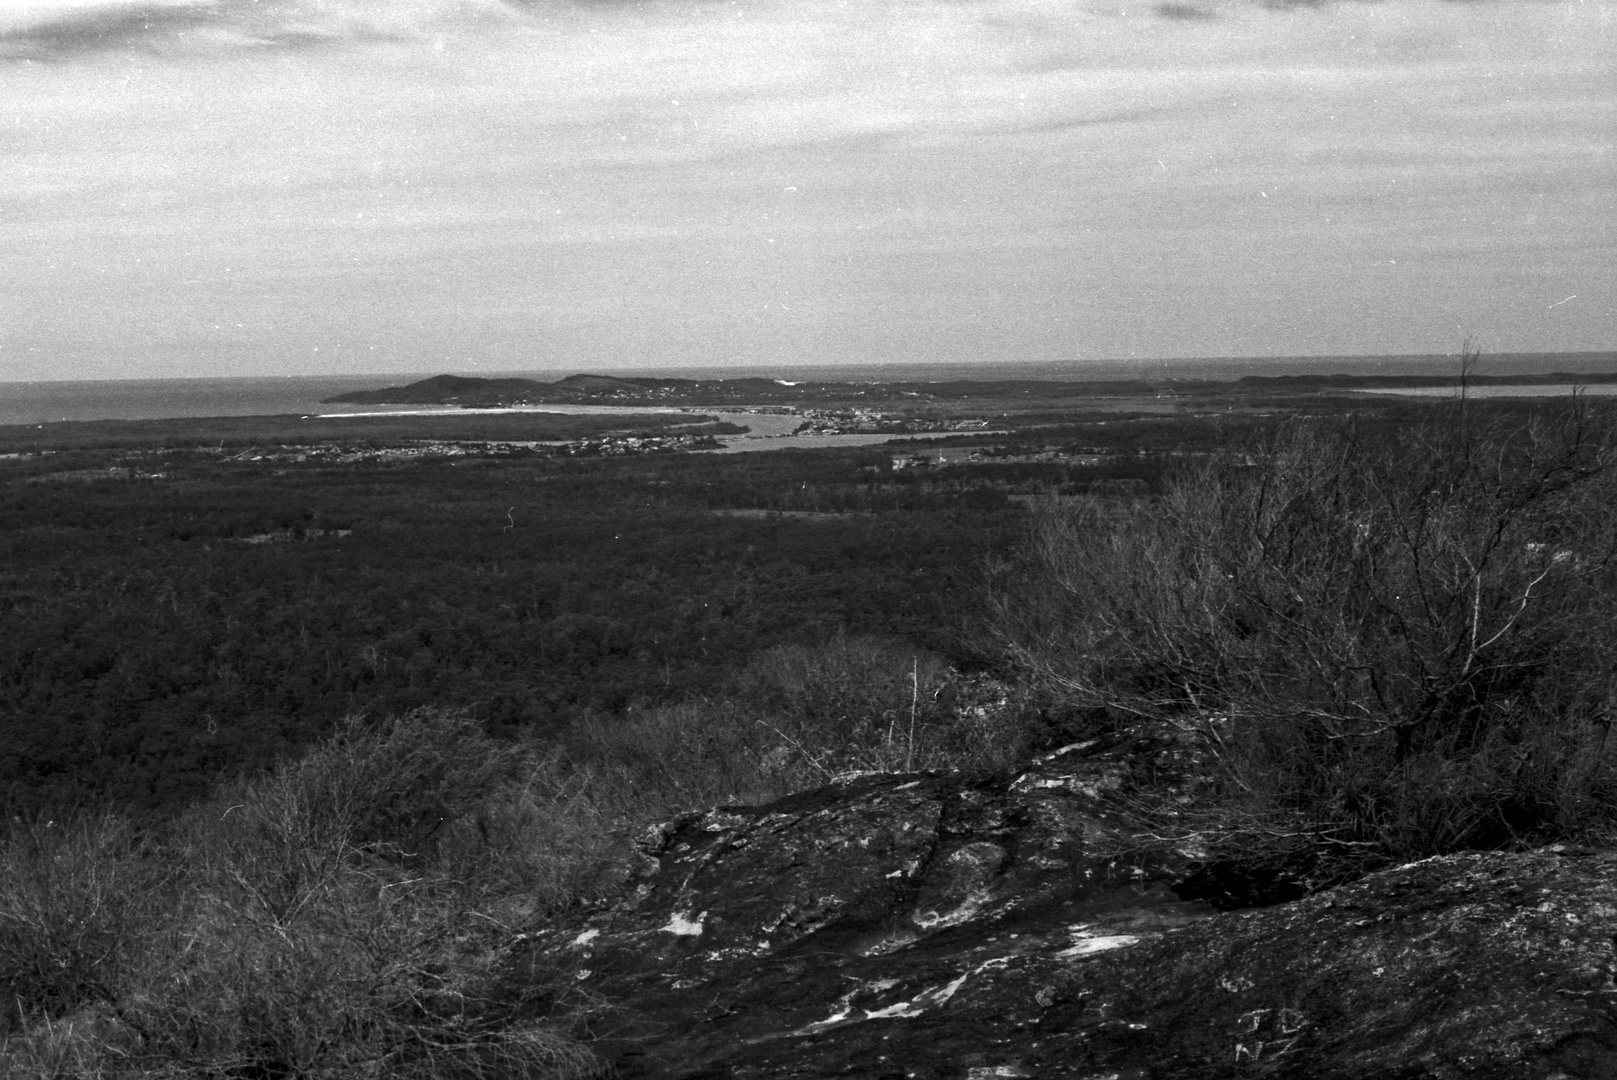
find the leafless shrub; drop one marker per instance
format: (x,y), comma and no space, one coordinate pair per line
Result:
(77,900)
(800,716)
(1395,643)
(856,703)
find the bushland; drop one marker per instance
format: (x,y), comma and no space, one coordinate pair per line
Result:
(1384,643)
(344,914)
(1388,644)
(335,917)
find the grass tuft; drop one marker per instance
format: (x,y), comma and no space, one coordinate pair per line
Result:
(341,916)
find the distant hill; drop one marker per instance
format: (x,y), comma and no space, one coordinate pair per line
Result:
(442,390)
(611,385)
(472,391)
(583,389)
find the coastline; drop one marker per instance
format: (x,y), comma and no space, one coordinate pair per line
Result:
(41,402)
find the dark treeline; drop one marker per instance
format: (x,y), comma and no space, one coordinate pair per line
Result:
(154,635)
(381,428)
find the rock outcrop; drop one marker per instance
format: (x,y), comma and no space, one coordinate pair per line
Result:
(941,927)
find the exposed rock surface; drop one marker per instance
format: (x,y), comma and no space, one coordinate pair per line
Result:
(936,927)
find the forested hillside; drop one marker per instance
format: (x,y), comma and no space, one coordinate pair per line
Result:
(156,633)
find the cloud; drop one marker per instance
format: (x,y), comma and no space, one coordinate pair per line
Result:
(1068,123)
(65,27)
(960,173)
(62,29)
(1186,12)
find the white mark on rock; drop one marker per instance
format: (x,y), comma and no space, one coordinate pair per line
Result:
(682,924)
(889,942)
(921,1002)
(917,1005)
(823,1025)
(585,938)
(1091,788)
(1086,946)
(945,993)
(837,1018)
(1069,749)
(933,920)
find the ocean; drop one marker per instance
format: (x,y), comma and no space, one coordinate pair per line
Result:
(160,399)
(155,399)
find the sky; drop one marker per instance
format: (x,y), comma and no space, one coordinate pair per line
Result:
(201,188)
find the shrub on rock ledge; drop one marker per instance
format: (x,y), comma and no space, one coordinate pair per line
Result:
(1393,645)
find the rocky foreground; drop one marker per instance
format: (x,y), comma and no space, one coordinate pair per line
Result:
(941,927)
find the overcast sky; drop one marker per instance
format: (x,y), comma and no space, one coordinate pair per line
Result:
(263,187)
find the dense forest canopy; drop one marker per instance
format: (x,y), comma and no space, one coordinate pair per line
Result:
(154,634)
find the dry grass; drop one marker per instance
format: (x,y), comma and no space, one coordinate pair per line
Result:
(798,717)
(340,917)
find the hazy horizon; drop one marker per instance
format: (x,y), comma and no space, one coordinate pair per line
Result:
(40,402)
(1214,368)
(216,188)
